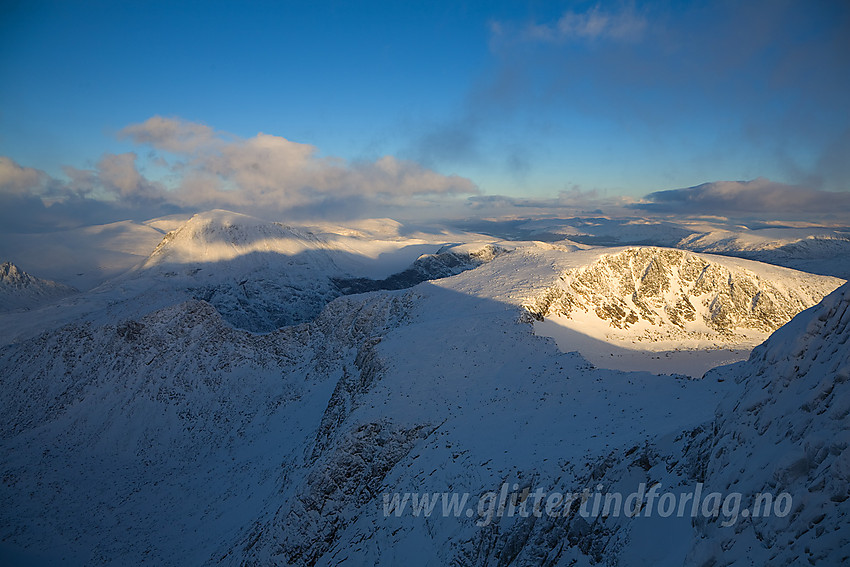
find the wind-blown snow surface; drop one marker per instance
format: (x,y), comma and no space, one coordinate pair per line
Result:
(148,429)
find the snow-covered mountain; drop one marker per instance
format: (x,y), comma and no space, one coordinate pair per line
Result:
(263,275)
(818,251)
(259,275)
(150,428)
(648,295)
(22,291)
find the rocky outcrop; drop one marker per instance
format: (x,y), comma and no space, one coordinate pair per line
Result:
(426,267)
(667,293)
(336,487)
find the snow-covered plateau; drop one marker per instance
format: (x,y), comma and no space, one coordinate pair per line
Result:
(254,393)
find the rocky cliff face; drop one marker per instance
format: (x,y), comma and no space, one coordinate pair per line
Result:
(672,294)
(181,410)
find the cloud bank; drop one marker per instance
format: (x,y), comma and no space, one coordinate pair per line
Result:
(207,169)
(273,177)
(759,196)
(267,171)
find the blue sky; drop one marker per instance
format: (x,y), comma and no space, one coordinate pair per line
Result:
(525,100)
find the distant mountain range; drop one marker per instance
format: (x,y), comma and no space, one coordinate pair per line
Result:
(253,393)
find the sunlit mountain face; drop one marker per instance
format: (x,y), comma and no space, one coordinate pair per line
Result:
(481,284)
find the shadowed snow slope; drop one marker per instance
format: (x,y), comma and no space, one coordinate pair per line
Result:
(262,276)
(259,275)
(787,432)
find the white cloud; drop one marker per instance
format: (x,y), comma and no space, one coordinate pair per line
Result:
(268,171)
(593,24)
(18,180)
(33,201)
(265,174)
(118,173)
(114,178)
(170,134)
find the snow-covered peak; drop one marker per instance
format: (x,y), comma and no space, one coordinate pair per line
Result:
(20,290)
(10,275)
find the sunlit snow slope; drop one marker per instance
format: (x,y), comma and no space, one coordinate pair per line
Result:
(668,301)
